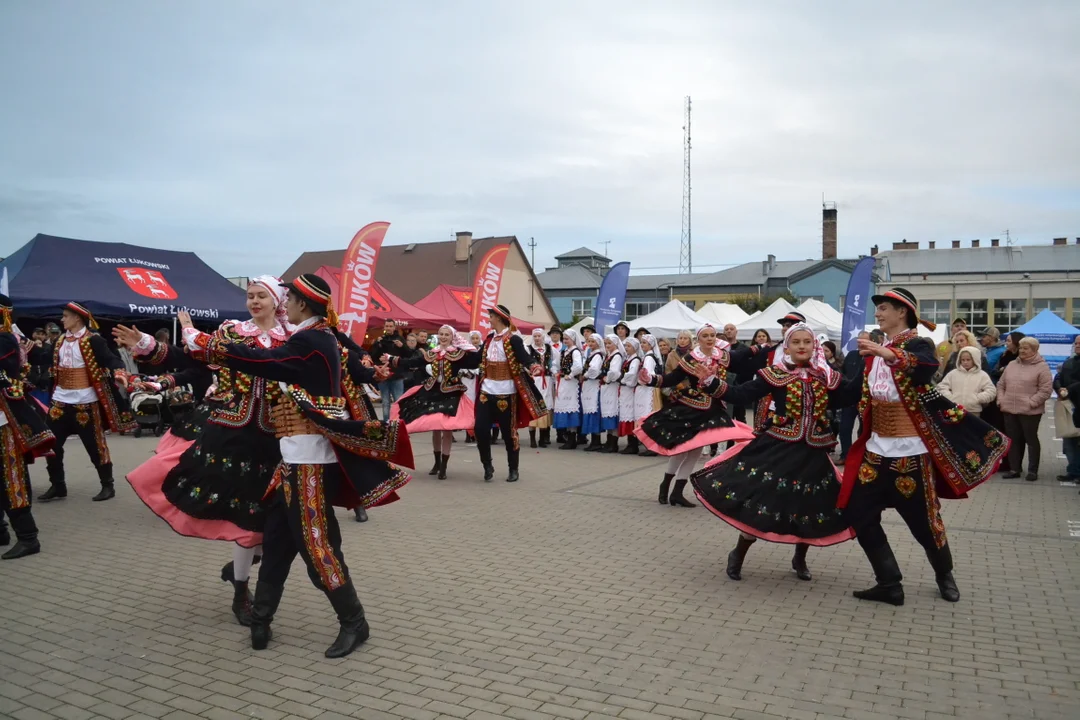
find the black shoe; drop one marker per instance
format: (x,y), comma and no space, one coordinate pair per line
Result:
(1067,479)
(513,476)
(631,446)
(649,453)
(5,536)
(665,488)
(947,587)
(107,493)
(611,445)
(545,437)
(677,499)
(360,514)
(1011,475)
(570,442)
(889,588)
(798,563)
(442,466)
(891,594)
(532,438)
(354,627)
(438,462)
(735,558)
(942,562)
(1031,477)
(241,604)
(21,549)
(56,492)
(263,607)
(489,473)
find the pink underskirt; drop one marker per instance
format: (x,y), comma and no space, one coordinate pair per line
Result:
(168,441)
(834,539)
(462,420)
(741,431)
(147,479)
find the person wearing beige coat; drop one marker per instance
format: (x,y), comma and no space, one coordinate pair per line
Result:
(1023,390)
(968,384)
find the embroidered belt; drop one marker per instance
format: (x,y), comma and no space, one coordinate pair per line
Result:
(288,421)
(497,371)
(891,420)
(73,378)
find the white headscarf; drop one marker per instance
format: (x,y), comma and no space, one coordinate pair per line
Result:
(453,338)
(617,342)
(632,342)
(546,339)
(818,364)
(571,339)
(655,351)
(473,338)
(272,285)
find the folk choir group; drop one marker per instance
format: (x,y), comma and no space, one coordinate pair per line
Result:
(287,431)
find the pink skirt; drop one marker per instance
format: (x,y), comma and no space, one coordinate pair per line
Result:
(740,432)
(463,419)
(147,479)
(169,441)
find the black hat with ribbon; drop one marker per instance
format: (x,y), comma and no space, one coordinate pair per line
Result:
(904,297)
(316,292)
(81,310)
(792,318)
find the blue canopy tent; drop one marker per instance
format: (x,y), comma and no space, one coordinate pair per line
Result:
(1055,337)
(117,281)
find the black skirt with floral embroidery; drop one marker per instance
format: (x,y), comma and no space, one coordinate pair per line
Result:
(429,402)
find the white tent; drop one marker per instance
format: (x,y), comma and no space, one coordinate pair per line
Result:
(670,319)
(767,319)
(823,318)
(587,320)
(938,334)
(720,314)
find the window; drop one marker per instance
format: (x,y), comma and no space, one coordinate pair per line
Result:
(1054,305)
(1009,314)
(936,311)
(635,310)
(582,308)
(973,312)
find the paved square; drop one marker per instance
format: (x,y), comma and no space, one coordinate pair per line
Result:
(572,594)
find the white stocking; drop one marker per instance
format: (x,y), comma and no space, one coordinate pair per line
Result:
(686,466)
(242,558)
(447,440)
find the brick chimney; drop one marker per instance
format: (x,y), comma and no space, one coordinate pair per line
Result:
(873,251)
(995,242)
(828,231)
(975,243)
(1061,241)
(462,246)
(905,245)
(933,244)
(956,243)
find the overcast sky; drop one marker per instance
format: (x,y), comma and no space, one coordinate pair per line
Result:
(251,131)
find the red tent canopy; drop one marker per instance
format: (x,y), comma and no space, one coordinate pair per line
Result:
(385,305)
(456,303)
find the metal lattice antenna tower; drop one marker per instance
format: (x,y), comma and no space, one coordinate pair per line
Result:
(686,258)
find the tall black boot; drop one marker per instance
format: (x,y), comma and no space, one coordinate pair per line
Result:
(570,440)
(889,588)
(545,437)
(242,599)
(57,486)
(665,488)
(438,463)
(631,446)
(735,557)
(941,561)
(798,562)
(560,435)
(107,491)
(677,499)
(263,607)
(354,627)
(532,437)
(594,443)
(442,466)
(612,444)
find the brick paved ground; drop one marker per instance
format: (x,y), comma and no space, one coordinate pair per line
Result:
(570,595)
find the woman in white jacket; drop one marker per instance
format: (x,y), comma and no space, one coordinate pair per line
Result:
(627,409)
(615,358)
(968,384)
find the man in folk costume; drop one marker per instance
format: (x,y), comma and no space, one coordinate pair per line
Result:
(24,435)
(85,401)
(915,448)
(508,397)
(328,458)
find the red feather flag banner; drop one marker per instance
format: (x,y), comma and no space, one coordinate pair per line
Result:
(357,279)
(486,286)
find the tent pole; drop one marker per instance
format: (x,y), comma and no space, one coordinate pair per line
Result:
(175,339)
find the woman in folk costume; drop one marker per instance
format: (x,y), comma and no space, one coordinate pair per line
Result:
(468,377)
(647,399)
(781,486)
(610,380)
(213,486)
(441,403)
(546,357)
(568,390)
(627,395)
(555,335)
(695,417)
(590,392)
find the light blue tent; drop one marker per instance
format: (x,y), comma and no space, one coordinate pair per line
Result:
(1055,337)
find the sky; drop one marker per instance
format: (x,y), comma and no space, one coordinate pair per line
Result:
(250,132)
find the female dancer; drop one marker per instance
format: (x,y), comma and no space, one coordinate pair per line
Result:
(440,404)
(647,399)
(781,486)
(545,356)
(611,378)
(213,486)
(695,417)
(627,396)
(590,393)
(568,390)
(555,335)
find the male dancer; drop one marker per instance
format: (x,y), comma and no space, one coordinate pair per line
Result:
(915,447)
(85,401)
(327,459)
(505,382)
(24,435)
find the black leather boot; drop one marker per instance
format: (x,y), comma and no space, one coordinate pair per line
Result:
(354,628)
(263,607)
(21,549)
(941,561)
(545,437)
(107,491)
(631,446)
(611,445)
(560,436)
(735,557)
(798,562)
(532,438)
(594,443)
(665,488)
(442,466)
(360,514)
(242,599)
(889,588)
(677,499)
(570,443)
(438,463)
(57,491)
(489,472)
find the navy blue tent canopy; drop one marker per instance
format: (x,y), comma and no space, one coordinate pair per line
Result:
(117,280)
